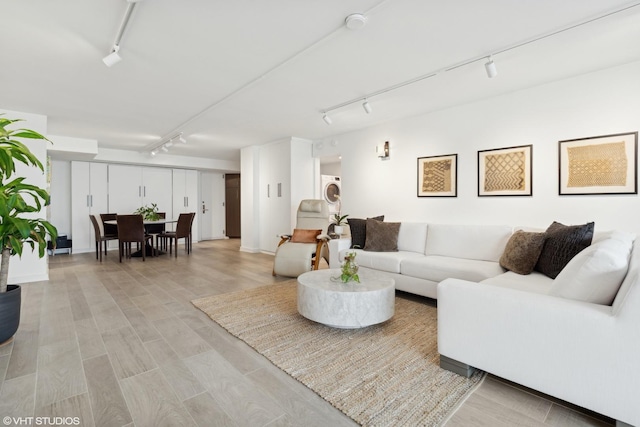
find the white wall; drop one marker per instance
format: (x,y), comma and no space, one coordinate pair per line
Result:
(29,267)
(60,209)
(600,103)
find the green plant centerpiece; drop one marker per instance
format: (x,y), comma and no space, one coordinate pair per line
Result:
(349,269)
(19,201)
(148,213)
(339,219)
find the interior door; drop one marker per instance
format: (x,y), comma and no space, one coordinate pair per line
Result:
(232,204)
(211,209)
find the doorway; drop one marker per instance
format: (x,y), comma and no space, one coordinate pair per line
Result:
(211,207)
(232,204)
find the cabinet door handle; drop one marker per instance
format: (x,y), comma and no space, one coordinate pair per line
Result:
(139,191)
(145,191)
(279,189)
(186,201)
(91,198)
(268,190)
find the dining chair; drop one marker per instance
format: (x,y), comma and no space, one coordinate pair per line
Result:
(109,229)
(131,229)
(155,230)
(98,228)
(183,231)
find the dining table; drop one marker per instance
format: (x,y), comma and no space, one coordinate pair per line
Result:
(147,223)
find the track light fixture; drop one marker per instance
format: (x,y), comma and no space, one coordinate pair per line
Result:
(164,149)
(165,144)
(491,69)
(154,153)
(366,106)
(326,118)
(181,139)
(113,58)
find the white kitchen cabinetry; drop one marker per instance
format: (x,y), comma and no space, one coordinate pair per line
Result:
(185,196)
(131,187)
(88,197)
(286,177)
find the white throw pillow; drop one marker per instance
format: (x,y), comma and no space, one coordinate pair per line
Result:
(595,274)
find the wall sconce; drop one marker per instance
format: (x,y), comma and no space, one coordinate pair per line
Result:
(383,151)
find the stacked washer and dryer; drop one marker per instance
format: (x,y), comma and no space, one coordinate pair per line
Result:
(331,192)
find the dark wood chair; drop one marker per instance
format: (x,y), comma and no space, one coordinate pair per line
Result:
(183,231)
(130,230)
(109,229)
(101,237)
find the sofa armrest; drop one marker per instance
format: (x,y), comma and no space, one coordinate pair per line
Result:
(335,247)
(576,351)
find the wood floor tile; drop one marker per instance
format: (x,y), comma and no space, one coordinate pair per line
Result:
(4,363)
(502,413)
(24,355)
(75,408)
(108,315)
(184,341)
(153,403)
(89,338)
(161,351)
(514,398)
(5,349)
(237,395)
(60,374)
(126,352)
(141,324)
(206,412)
(183,382)
(17,396)
(560,416)
(107,401)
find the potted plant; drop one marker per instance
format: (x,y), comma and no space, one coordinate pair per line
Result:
(148,213)
(18,200)
(338,220)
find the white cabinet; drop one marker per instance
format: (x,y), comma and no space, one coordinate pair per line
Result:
(131,187)
(286,177)
(88,197)
(185,196)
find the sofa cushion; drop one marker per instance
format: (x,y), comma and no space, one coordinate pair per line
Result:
(522,251)
(382,261)
(479,242)
(595,274)
(301,235)
(381,236)
(412,237)
(563,243)
(358,228)
(535,282)
(437,268)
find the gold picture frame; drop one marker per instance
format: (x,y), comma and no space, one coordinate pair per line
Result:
(604,164)
(505,171)
(438,176)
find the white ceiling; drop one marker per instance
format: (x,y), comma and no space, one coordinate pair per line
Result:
(235,73)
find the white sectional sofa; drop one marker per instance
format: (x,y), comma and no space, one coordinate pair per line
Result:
(521,327)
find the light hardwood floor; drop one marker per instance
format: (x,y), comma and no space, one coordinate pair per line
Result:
(121,345)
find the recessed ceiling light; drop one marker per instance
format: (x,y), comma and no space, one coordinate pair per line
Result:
(355,21)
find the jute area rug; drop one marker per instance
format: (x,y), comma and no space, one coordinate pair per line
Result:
(382,375)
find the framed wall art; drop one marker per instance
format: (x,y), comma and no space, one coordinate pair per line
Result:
(599,165)
(505,171)
(438,176)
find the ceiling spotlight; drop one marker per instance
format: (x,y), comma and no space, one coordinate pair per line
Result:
(491,69)
(366,106)
(113,58)
(168,144)
(327,119)
(181,139)
(355,21)
(154,153)
(164,148)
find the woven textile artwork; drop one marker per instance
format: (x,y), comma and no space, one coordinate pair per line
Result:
(597,165)
(505,171)
(437,176)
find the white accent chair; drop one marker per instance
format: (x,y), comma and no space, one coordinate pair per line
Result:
(293,259)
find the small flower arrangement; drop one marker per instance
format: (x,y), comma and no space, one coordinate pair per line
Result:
(349,269)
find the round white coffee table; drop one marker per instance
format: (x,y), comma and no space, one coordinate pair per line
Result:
(345,305)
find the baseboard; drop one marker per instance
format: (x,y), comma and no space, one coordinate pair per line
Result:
(249,250)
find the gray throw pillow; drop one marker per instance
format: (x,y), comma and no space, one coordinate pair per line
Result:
(382,236)
(358,229)
(522,251)
(563,243)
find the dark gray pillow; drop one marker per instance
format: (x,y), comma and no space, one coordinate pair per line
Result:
(563,243)
(522,251)
(358,229)
(382,236)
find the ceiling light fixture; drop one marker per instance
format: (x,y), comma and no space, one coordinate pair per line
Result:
(181,139)
(355,21)
(154,153)
(326,119)
(366,106)
(113,57)
(164,148)
(167,143)
(490,67)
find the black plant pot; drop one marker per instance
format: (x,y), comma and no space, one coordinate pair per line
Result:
(9,312)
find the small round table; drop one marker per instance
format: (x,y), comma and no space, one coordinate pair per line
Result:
(323,298)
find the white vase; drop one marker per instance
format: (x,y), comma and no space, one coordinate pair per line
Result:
(338,229)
